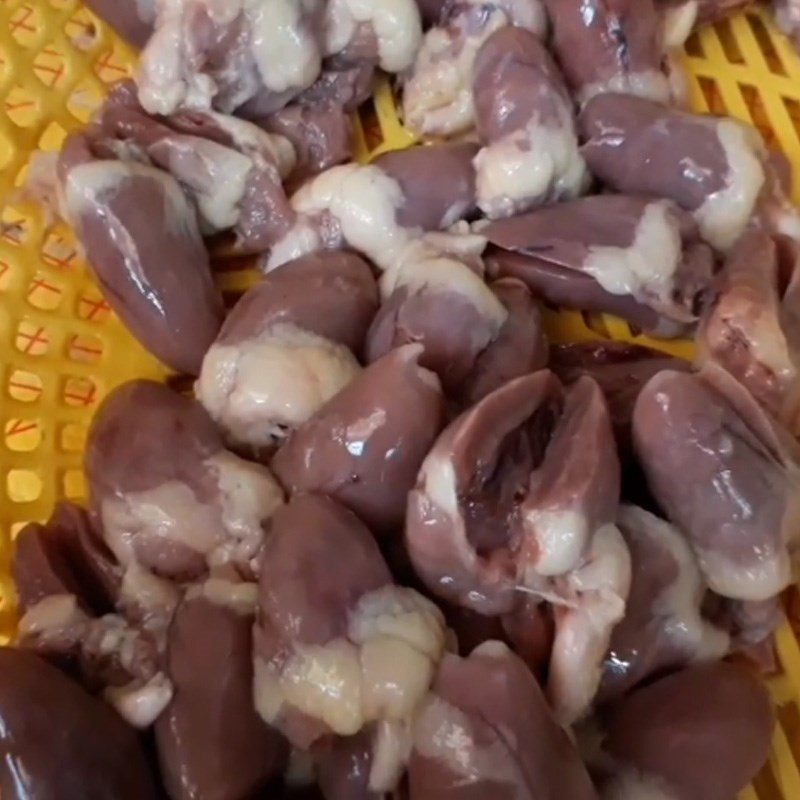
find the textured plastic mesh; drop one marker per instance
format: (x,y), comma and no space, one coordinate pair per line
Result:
(61,350)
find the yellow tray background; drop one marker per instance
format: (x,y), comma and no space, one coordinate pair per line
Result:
(62,351)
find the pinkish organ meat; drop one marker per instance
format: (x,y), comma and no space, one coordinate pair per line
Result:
(517,501)
(172,501)
(65,554)
(609,45)
(203,54)
(58,741)
(211,742)
(232,169)
(337,649)
(380,209)
(701,734)
(343,767)
(663,628)
(475,337)
(67,579)
(747,328)
(321,137)
(520,346)
(725,474)
(288,346)
(437,182)
(710,166)
(485,730)
(259,55)
(143,244)
(639,258)
(524,119)
(787,18)
(365,445)
(437,97)
(620,369)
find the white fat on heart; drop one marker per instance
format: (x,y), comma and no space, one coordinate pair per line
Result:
(436,497)
(302,238)
(58,620)
(364,201)
(225,530)
(724,214)
(679,21)
(631,784)
(739,319)
(677,606)
(215,175)
(449,278)
(785,218)
(283,43)
(113,638)
(256,142)
(674,67)
(536,164)
(458,242)
(596,593)
(325,683)
(340,26)
(395,676)
(391,749)
(438,485)
(321,681)
(127,151)
(410,354)
(88,186)
(54,614)
(141,705)
(457,742)
(437,99)
(395,23)
(262,388)
(742,315)
(166,77)
(492,648)
(646,268)
(281,53)
(441,274)
(756,580)
(268,694)
(651,84)
(401,636)
(357,206)
(383,669)
(146,598)
(561,538)
(240,597)
(528,14)
(169,512)
(161,80)
(398,613)
(248,495)
(238,74)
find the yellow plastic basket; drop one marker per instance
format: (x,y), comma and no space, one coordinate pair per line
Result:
(62,351)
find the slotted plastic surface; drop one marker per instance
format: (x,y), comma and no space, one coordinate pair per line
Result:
(61,350)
